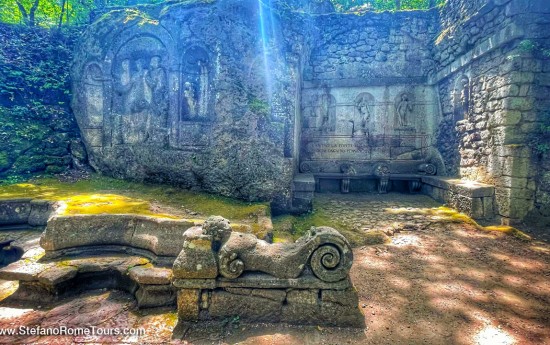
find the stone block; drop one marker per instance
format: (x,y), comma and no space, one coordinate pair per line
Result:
(14,211)
(152,296)
(343,297)
(23,271)
(151,275)
(303,307)
(224,304)
(159,235)
(271,294)
(195,283)
(57,274)
(517,103)
(188,304)
(41,211)
(336,314)
(197,259)
(86,230)
(303,296)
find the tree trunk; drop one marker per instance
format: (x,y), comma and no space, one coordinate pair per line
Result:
(23,13)
(398,5)
(431,4)
(32,11)
(62,13)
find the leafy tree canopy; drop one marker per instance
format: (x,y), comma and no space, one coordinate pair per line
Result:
(51,13)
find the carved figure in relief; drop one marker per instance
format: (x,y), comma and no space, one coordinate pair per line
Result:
(123,84)
(92,94)
(140,94)
(189,99)
(365,111)
(156,81)
(404,110)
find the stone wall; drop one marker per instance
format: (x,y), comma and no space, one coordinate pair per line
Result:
(191,94)
(371,49)
(365,97)
(488,90)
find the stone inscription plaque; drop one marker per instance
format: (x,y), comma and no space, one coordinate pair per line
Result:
(321,148)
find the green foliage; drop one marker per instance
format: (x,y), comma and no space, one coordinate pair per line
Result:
(526,46)
(259,106)
(49,13)
(383,5)
(34,100)
(540,140)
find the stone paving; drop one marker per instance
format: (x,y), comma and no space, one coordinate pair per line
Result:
(375,211)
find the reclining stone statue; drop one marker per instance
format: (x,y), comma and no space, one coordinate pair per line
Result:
(220,272)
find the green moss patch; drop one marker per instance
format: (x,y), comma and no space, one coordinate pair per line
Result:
(106,195)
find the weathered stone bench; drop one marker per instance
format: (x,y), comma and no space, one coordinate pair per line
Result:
(158,239)
(50,280)
(33,212)
(221,274)
(472,198)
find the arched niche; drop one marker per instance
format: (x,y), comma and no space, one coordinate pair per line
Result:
(140,103)
(405,110)
(363,113)
(196,85)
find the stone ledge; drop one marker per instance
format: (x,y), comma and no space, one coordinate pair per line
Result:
(161,236)
(50,280)
(262,281)
(472,198)
(470,189)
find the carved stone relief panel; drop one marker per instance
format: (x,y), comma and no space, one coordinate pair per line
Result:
(140,100)
(404,111)
(367,124)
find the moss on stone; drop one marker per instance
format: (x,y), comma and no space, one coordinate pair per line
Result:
(100,194)
(4,161)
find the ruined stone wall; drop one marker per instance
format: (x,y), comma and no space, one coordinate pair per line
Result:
(488,89)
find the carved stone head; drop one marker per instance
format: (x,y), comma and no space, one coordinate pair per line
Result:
(217,227)
(155,61)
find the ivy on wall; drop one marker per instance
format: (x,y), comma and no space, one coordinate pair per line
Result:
(36,123)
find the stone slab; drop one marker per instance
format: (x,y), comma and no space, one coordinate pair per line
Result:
(160,236)
(151,275)
(15,211)
(152,296)
(466,188)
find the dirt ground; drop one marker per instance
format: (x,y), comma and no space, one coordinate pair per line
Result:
(443,283)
